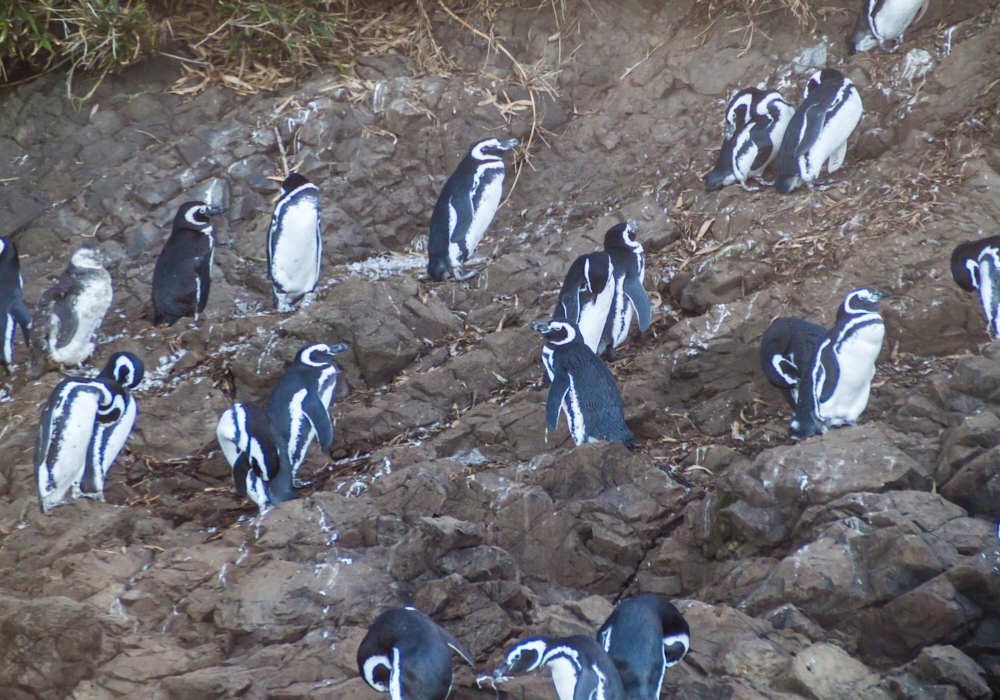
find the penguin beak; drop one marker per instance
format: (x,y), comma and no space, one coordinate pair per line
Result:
(540,327)
(216,210)
(880,295)
(337,349)
(500,673)
(509,144)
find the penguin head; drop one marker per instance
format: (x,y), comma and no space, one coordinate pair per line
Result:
(597,270)
(862,39)
(88,258)
(293,182)
(722,174)
(822,77)
(125,368)
(492,149)
(437,268)
(787,183)
(558,332)
(740,111)
(524,657)
(319,354)
(622,236)
(197,216)
(861,301)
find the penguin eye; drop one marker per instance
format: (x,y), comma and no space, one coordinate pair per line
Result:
(381,675)
(200,215)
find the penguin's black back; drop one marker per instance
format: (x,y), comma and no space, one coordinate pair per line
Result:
(969,250)
(12,308)
(297,377)
(279,479)
(185,256)
(789,337)
(591,654)
(798,139)
(438,239)
(600,400)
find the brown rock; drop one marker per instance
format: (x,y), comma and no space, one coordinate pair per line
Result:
(826,672)
(948,665)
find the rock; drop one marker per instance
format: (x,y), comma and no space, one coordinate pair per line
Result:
(948,665)
(593,609)
(723,283)
(434,537)
(18,208)
(826,672)
(976,486)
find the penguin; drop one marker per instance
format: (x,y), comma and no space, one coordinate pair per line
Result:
(580,668)
(299,405)
(13,312)
(294,243)
(261,471)
(465,209)
(882,21)
(70,312)
(582,387)
(629,267)
(65,430)
(756,121)
(834,389)
(110,437)
(830,111)
(182,275)
(785,348)
(645,636)
(408,655)
(975,266)
(586,296)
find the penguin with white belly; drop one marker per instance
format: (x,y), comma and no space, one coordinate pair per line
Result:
(883,21)
(628,261)
(13,312)
(586,296)
(294,243)
(259,460)
(579,667)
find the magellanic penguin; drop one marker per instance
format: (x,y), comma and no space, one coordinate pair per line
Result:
(583,387)
(580,668)
(70,311)
(834,389)
(465,209)
(294,243)
(830,111)
(299,405)
(785,348)
(13,312)
(645,636)
(975,265)
(110,436)
(586,296)
(756,121)
(182,276)
(882,21)
(261,471)
(65,431)
(408,655)
(629,266)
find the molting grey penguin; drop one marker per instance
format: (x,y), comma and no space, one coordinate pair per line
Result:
(882,21)
(583,387)
(756,121)
(182,276)
(261,471)
(465,209)
(586,296)
(13,312)
(70,311)
(785,348)
(580,668)
(408,655)
(110,436)
(299,405)
(834,389)
(830,111)
(629,267)
(975,265)
(294,243)
(65,432)
(645,636)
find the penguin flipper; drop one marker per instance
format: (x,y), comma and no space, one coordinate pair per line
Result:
(586,684)
(320,419)
(837,158)
(640,301)
(203,268)
(23,317)
(557,393)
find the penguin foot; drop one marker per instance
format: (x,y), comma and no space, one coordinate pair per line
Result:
(765,183)
(825,185)
(751,188)
(462,275)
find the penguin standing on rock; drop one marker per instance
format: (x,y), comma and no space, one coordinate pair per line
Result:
(70,312)
(580,668)
(975,266)
(645,636)
(882,21)
(182,276)
(830,111)
(465,209)
(586,296)
(785,348)
(834,389)
(13,312)
(294,243)
(408,655)
(583,387)
(629,266)
(261,471)
(299,405)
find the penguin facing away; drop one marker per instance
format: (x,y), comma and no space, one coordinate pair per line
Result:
(294,243)
(299,405)
(13,312)
(465,208)
(261,471)
(586,296)
(408,655)
(629,266)
(582,387)
(785,348)
(645,636)
(182,275)
(580,668)
(975,266)
(70,312)
(882,21)
(835,388)
(65,430)
(830,111)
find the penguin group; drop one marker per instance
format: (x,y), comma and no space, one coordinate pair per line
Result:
(408,655)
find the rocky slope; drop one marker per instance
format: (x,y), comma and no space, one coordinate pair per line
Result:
(861,564)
